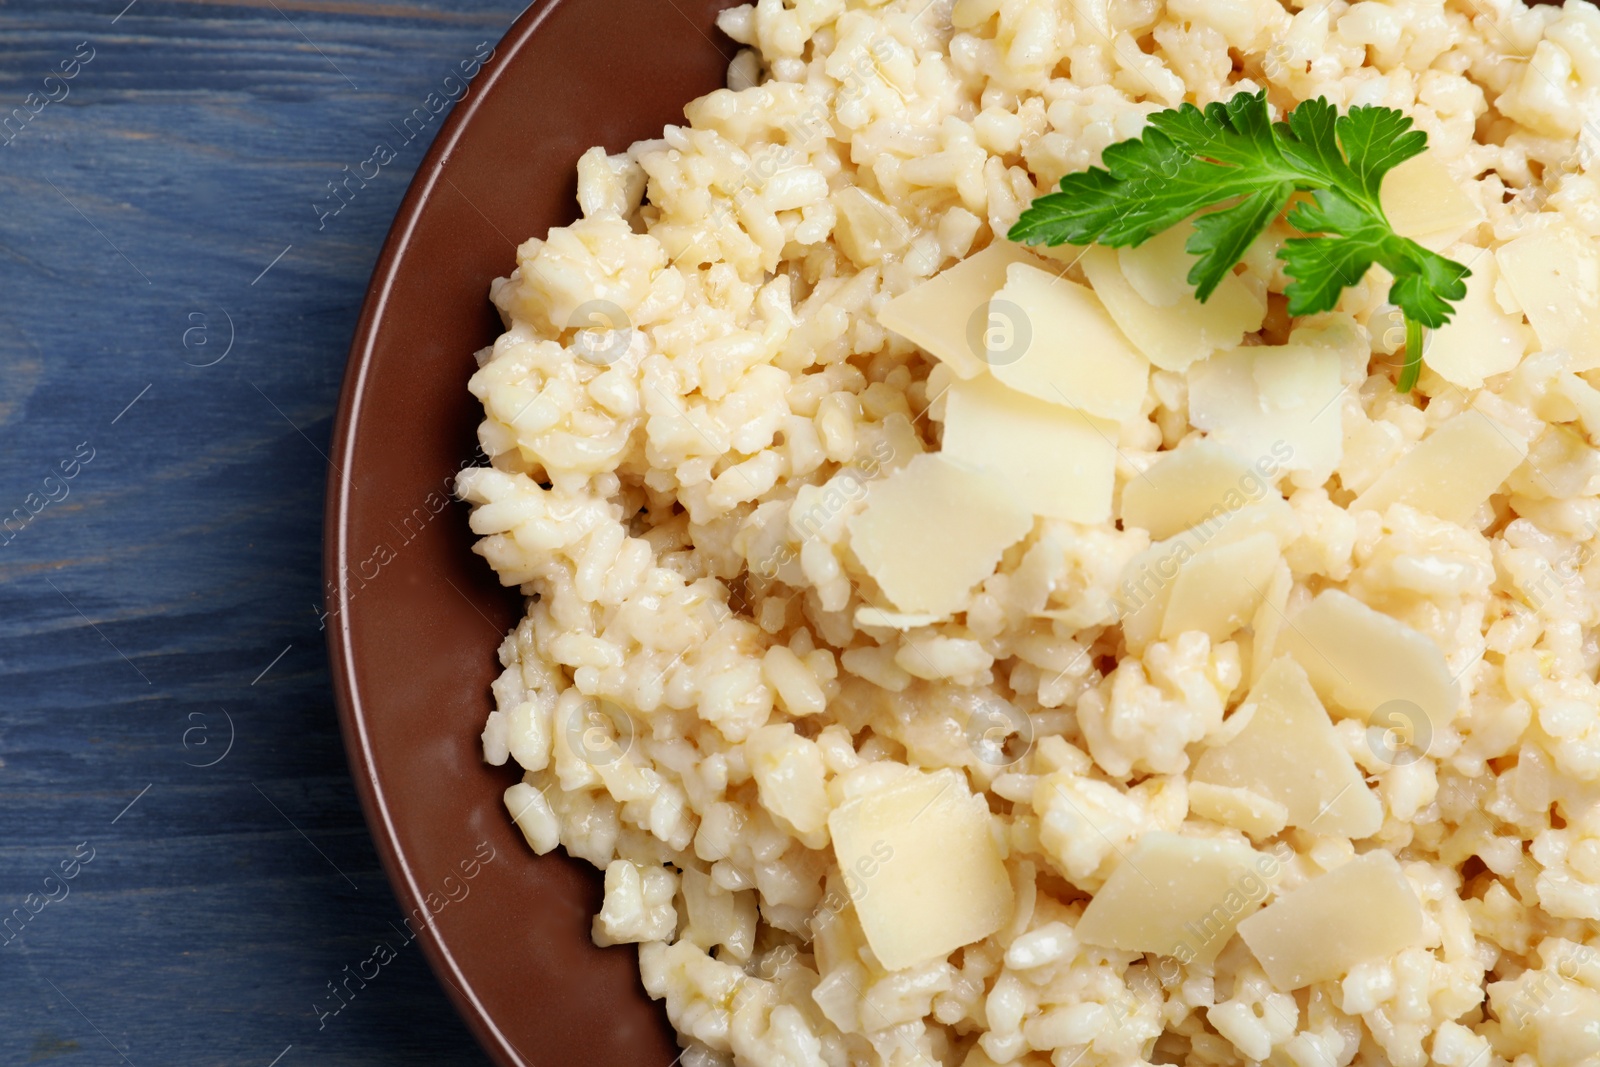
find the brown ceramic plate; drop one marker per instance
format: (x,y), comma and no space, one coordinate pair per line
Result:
(414,617)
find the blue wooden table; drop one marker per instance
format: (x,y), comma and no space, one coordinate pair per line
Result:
(183,866)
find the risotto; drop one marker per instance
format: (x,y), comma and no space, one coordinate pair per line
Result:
(957,653)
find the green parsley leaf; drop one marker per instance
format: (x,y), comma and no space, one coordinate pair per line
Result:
(1221,237)
(1235,170)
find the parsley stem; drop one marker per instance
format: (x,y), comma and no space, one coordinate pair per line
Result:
(1412,369)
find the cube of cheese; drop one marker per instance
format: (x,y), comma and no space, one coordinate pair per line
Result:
(1171,335)
(1554,273)
(1482,340)
(1450,472)
(1177,896)
(1365,910)
(1195,482)
(1360,659)
(937,315)
(932,530)
(1289,752)
(1268,399)
(925,872)
(1051,338)
(1057,462)
(1423,202)
(1218,590)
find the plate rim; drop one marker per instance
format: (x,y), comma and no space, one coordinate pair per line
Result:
(336,557)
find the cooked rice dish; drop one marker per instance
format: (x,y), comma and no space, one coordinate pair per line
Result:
(958,653)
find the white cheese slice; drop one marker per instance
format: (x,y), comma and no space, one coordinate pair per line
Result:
(1481,340)
(1064,254)
(1271,399)
(868,229)
(945,316)
(1057,462)
(1158,269)
(1585,401)
(1360,660)
(1171,336)
(1177,896)
(932,530)
(1051,338)
(1145,587)
(1218,590)
(1554,274)
(1269,620)
(923,867)
(1272,514)
(894,620)
(1289,752)
(1365,910)
(1193,483)
(1242,809)
(1450,472)
(1422,201)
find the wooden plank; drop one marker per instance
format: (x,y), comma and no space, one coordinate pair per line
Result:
(159,211)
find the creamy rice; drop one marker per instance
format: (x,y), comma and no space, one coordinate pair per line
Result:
(694,403)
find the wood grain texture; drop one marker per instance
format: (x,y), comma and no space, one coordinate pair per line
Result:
(172,583)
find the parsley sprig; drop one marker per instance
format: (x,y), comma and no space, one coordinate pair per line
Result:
(1232,154)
